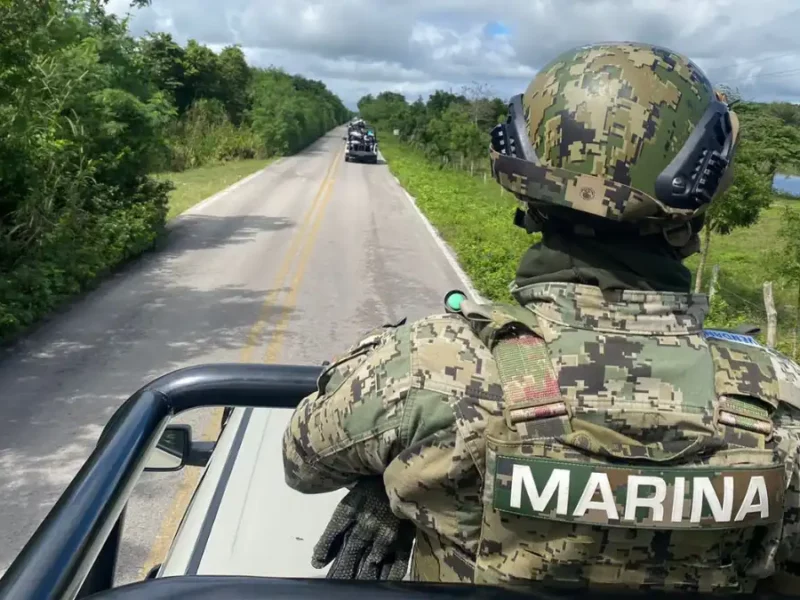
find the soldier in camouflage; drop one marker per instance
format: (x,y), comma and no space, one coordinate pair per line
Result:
(595,434)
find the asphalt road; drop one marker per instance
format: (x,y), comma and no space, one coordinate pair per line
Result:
(290,266)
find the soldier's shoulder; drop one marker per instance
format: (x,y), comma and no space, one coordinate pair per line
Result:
(443,329)
(446,351)
(745,367)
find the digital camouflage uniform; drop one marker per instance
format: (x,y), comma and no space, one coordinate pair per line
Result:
(585,437)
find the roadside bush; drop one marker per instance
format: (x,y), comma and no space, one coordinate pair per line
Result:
(68,258)
(290,112)
(79,128)
(87,113)
(205,134)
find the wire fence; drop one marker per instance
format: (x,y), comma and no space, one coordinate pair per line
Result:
(731,308)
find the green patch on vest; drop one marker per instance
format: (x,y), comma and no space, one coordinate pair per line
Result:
(651,497)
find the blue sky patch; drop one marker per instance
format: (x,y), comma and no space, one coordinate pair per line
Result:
(495,28)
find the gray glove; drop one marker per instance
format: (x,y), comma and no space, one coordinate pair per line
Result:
(364,539)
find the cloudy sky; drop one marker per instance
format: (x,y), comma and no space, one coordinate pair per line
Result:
(416,46)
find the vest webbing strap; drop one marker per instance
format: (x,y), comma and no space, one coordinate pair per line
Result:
(530,386)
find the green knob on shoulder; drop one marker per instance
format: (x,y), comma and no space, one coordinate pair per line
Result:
(453,300)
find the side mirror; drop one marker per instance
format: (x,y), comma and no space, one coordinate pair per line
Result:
(172,450)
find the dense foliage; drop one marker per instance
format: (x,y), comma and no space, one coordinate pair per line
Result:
(228,110)
(440,139)
(87,113)
(449,128)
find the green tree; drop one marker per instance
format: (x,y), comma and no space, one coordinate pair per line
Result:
(202,76)
(768,142)
(164,60)
(235,76)
(440,100)
(754,167)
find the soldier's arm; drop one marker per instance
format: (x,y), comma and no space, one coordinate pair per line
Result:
(786,578)
(351,427)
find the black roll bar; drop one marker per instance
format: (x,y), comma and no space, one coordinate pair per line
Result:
(56,560)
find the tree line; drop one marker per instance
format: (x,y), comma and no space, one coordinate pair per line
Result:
(451,128)
(88,113)
(226,109)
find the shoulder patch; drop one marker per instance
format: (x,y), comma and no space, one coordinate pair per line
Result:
(743,370)
(449,358)
(648,497)
(787,373)
(727,336)
(752,370)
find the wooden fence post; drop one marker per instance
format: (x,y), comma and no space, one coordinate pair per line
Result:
(772,314)
(712,286)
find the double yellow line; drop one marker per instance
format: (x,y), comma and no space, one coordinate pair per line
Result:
(320,202)
(300,247)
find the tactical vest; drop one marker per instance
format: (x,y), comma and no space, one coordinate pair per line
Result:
(569,499)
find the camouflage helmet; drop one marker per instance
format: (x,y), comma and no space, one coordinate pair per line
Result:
(624,133)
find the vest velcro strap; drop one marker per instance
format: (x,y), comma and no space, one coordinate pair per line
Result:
(741,422)
(530,384)
(530,413)
(533,404)
(745,414)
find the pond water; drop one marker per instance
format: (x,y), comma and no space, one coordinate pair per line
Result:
(787,183)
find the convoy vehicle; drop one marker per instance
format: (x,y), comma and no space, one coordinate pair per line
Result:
(361,144)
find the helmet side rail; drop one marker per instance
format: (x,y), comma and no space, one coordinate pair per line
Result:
(80,534)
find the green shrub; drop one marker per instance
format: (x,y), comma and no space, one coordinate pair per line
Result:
(79,129)
(205,134)
(77,250)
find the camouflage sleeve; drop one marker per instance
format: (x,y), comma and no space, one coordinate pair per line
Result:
(787,576)
(351,427)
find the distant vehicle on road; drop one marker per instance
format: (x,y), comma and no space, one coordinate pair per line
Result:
(361,143)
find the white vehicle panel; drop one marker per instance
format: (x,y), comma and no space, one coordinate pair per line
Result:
(244,519)
(179,556)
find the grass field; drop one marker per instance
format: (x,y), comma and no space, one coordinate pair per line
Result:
(198,184)
(475,219)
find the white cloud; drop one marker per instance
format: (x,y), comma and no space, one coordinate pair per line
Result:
(416,46)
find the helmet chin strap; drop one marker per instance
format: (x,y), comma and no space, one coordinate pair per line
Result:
(683,237)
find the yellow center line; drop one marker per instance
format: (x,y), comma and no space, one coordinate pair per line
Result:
(172,519)
(273,350)
(297,239)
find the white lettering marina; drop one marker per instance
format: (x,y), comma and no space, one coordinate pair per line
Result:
(739,497)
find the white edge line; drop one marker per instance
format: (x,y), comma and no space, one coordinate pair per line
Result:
(203,204)
(446,250)
(200,206)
